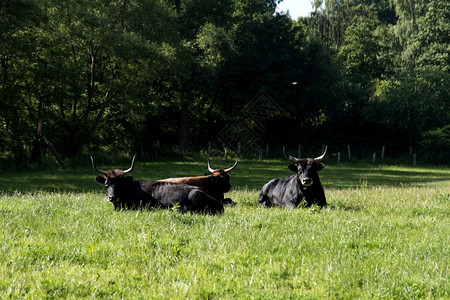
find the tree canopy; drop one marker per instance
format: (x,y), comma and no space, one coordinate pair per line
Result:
(117,76)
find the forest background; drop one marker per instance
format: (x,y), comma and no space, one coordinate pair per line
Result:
(79,77)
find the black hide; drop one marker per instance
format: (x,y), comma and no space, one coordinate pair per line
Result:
(290,191)
(124,192)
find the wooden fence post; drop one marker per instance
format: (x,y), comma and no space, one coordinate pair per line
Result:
(267,150)
(339,157)
(382,152)
(348,151)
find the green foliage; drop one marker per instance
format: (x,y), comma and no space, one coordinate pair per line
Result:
(432,36)
(360,46)
(87,76)
(412,105)
(375,240)
(436,145)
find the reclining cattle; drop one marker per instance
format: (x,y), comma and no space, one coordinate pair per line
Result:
(215,184)
(124,192)
(290,191)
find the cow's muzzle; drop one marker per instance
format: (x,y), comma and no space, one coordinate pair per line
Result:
(306,181)
(113,199)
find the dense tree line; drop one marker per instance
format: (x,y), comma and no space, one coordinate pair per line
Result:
(82,76)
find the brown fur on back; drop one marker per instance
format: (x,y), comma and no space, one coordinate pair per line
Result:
(200,181)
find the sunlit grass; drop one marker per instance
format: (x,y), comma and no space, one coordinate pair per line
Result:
(378,238)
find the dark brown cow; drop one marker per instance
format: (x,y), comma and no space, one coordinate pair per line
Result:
(214,184)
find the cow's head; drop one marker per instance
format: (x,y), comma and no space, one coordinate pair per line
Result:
(114,180)
(221,178)
(306,168)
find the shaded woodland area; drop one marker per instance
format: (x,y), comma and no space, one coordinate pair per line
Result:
(79,77)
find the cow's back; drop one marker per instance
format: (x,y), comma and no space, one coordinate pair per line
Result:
(186,197)
(199,201)
(213,185)
(135,195)
(265,195)
(167,194)
(281,192)
(201,182)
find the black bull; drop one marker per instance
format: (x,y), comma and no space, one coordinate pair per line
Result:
(125,192)
(290,191)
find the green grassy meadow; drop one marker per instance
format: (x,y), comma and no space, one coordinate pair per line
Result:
(384,235)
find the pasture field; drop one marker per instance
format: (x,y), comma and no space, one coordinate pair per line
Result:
(384,235)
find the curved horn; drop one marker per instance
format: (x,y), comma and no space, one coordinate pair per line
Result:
(211,170)
(319,158)
(132,166)
(231,169)
(97,169)
(291,158)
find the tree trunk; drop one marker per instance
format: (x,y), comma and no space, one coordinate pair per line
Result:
(57,157)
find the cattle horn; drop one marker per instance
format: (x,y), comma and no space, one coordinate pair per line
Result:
(319,158)
(231,168)
(97,169)
(131,168)
(211,170)
(294,159)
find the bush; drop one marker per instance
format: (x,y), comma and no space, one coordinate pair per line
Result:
(435,145)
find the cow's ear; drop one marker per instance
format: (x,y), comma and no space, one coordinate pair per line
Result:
(100,179)
(293,168)
(320,166)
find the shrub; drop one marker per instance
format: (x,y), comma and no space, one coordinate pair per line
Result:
(435,145)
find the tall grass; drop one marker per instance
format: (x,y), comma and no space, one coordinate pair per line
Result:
(380,237)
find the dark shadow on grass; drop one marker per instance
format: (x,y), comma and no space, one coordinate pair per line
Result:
(248,175)
(345,176)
